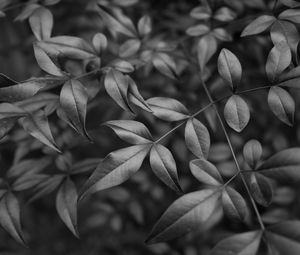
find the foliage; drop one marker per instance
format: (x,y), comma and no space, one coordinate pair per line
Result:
(176,82)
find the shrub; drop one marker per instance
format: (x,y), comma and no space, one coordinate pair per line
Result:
(182,91)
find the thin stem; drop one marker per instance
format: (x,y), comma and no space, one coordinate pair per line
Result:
(254,89)
(274,6)
(86,74)
(233,153)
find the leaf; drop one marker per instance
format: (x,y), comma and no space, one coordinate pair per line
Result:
(41,23)
(99,42)
(144,26)
(129,48)
(292,83)
(197,138)
(234,204)
(252,152)
(73,100)
(292,15)
(198,30)
(10,217)
(167,109)
(47,186)
(135,97)
(205,172)
(285,31)
(236,113)
(278,60)
(240,244)
(85,165)
(122,66)
(164,166)
(7,125)
(66,205)
(165,64)
(261,189)
(131,131)
(37,126)
(284,236)
(258,25)
(224,14)
(8,110)
(229,68)
(67,46)
(114,25)
(45,62)
(185,215)
(27,11)
(206,48)
(282,105)
(28,88)
(116,168)
(28,181)
(116,85)
(283,165)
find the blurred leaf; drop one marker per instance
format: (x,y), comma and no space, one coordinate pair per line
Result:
(198,30)
(205,172)
(252,152)
(206,48)
(282,105)
(164,166)
(129,48)
(224,14)
(236,113)
(292,15)
(167,109)
(10,217)
(284,236)
(131,131)
(66,205)
(37,126)
(41,23)
(8,110)
(144,25)
(186,214)
(261,189)
(165,64)
(240,244)
(258,25)
(99,42)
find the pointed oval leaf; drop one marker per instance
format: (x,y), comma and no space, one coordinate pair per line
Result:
(292,15)
(144,25)
(278,60)
(116,168)
(229,68)
(131,131)
(284,236)
(198,30)
(236,113)
(73,100)
(167,109)
(99,42)
(185,215)
(205,172)
(165,64)
(37,126)
(8,110)
(252,152)
(282,105)
(197,138)
(261,189)
(10,216)
(234,204)
(116,85)
(129,48)
(284,165)
(206,48)
(239,244)
(41,23)
(66,205)
(164,166)
(258,25)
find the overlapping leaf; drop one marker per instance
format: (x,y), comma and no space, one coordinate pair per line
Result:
(258,25)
